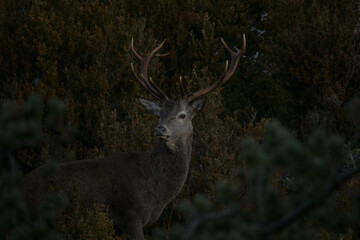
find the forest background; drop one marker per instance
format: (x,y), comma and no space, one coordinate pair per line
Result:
(301,67)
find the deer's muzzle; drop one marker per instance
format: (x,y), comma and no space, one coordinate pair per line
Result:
(160,131)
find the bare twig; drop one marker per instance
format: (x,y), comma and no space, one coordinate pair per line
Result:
(12,165)
(272,228)
(259,193)
(311,203)
(351,155)
(231,211)
(357,51)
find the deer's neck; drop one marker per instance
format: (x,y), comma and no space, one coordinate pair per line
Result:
(172,166)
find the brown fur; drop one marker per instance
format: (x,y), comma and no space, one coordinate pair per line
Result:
(136,186)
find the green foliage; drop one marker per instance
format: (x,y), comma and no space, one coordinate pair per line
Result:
(311,51)
(300,66)
(77,223)
(27,125)
(21,125)
(272,203)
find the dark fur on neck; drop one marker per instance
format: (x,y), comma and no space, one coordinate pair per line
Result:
(174,165)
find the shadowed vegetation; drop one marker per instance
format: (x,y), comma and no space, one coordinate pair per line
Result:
(301,67)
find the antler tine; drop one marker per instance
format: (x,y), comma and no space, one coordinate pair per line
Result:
(229,72)
(158,89)
(142,82)
(146,60)
(134,51)
(182,90)
(147,83)
(162,54)
(144,70)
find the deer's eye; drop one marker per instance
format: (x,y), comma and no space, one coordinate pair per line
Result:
(182,116)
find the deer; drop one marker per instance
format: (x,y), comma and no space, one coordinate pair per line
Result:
(137,186)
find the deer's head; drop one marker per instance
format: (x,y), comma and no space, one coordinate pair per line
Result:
(175,117)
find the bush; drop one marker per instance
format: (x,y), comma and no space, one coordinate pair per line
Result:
(289,195)
(300,67)
(27,125)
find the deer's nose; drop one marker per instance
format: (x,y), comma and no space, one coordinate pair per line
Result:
(160,131)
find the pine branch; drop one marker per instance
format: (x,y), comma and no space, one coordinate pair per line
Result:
(228,212)
(311,203)
(280,224)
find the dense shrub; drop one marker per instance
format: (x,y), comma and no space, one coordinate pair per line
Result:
(273,206)
(28,125)
(301,67)
(22,126)
(311,49)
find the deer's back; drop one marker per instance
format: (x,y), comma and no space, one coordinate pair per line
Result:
(94,181)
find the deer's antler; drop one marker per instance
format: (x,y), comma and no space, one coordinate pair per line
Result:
(229,72)
(144,80)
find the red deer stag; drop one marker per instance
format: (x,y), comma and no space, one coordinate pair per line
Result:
(136,186)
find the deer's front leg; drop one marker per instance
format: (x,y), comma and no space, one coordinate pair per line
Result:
(134,231)
(132,227)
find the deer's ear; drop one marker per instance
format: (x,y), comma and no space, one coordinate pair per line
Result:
(150,106)
(197,105)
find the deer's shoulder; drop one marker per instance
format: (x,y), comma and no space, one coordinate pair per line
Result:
(115,159)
